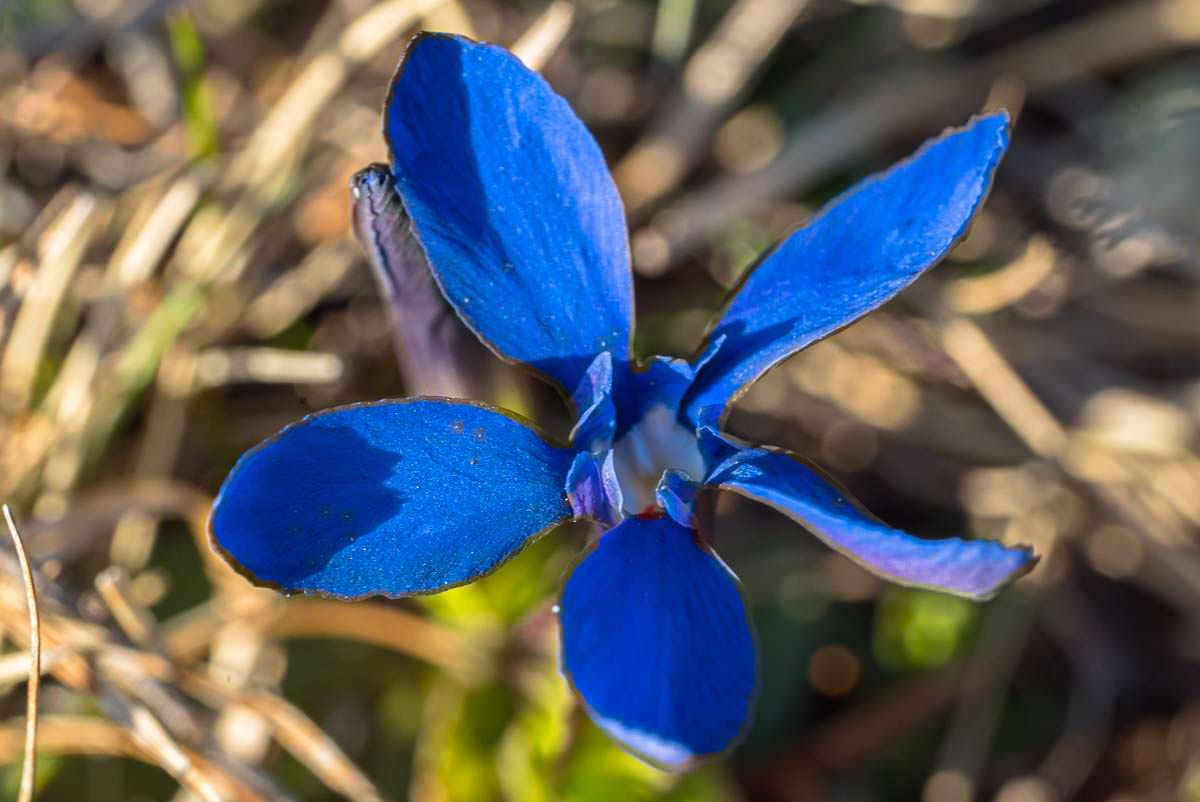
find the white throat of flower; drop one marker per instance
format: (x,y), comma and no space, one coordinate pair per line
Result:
(655,444)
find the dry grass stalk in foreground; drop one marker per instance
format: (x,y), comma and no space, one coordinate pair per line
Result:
(34,674)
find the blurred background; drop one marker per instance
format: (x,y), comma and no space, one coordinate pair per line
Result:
(179,279)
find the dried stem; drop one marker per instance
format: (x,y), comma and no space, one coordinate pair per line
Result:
(35,664)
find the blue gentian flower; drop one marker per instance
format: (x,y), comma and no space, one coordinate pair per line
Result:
(512,203)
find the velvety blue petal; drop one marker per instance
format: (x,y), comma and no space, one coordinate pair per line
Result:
(593,488)
(655,638)
(860,251)
(392,498)
(513,203)
(973,568)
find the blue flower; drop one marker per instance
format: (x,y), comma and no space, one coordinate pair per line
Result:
(514,207)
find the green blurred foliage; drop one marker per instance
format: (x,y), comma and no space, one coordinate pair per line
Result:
(198,117)
(918,630)
(22,15)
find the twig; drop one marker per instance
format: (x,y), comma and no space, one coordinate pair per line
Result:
(35,664)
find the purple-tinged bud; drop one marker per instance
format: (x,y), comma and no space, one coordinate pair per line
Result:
(437,353)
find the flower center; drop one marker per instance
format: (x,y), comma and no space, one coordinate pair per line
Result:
(655,444)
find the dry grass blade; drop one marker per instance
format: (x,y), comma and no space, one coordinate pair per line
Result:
(60,251)
(296,733)
(1003,389)
(15,667)
(149,733)
(77,735)
(543,37)
(1005,286)
(278,136)
(35,664)
(391,628)
(113,585)
(714,77)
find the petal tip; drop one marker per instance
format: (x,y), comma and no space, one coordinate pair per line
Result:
(999,122)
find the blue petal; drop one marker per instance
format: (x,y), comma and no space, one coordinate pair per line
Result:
(393,498)
(860,251)
(593,398)
(655,638)
(593,488)
(513,203)
(976,569)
